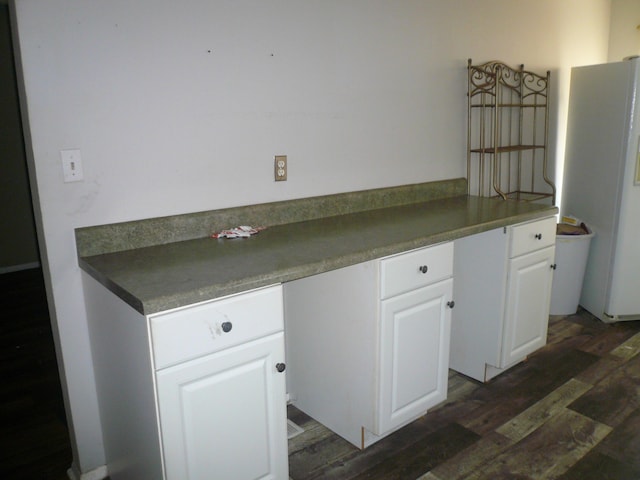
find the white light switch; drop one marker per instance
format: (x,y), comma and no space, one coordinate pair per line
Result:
(71,165)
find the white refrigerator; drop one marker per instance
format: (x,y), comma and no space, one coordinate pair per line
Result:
(601,183)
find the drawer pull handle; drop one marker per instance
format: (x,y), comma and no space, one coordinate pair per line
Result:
(280,367)
(553,266)
(451,304)
(539,236)
(226,326)
(423,268)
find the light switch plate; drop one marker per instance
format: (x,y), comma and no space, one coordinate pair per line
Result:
(71,165)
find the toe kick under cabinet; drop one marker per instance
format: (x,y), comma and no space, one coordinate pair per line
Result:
(192,393)
(503,288)
(368,345)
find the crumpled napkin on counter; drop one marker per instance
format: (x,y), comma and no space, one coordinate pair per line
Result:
(243,231)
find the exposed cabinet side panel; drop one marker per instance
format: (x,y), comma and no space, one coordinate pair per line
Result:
(362,366)
(480,271)
(331,341)
(124,378)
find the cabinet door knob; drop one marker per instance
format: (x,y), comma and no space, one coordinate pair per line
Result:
(539,236)
(226,326)
(423,269)
(280,367)
(553,266)
(451,304)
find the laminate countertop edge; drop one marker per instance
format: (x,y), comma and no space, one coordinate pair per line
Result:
(163,277)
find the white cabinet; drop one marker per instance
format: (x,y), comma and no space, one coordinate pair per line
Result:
(223,414)
(527,305)
(414,354)
(368,345)
(193,393)
(503,290)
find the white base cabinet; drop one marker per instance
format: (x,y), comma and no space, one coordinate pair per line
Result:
(200,392)
(503,292)
(414,350)
(194,393)
(527,305)
(368,345)
(224,415)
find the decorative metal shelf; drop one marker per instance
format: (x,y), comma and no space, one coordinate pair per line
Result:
(506,149)
(528,196)
(507,105)
(507,137)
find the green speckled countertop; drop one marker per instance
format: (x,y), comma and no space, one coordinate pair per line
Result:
(169,275)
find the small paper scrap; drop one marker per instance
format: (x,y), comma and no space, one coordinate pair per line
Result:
(242,231)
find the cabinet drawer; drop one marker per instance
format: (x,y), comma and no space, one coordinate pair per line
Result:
(194,331)
(406,271)
(532,236)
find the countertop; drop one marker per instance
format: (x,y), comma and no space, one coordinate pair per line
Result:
(161,277)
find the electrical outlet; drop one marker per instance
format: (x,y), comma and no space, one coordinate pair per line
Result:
(280,166)
(71,165)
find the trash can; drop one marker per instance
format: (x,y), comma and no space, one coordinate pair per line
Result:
(572,252)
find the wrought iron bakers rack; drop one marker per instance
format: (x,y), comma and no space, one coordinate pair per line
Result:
(508,129)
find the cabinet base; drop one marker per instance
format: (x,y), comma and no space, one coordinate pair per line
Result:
(486,373)
(491,372)
(369,438)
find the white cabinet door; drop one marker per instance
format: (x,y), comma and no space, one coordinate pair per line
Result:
(224,415)
(527,305)
(414,353)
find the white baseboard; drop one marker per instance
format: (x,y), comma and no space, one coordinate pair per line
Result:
(99,473)
(17,268)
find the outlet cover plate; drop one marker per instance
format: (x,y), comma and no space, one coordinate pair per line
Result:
(280,168)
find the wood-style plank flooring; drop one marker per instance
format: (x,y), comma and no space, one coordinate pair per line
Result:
(34,440)
(572,411)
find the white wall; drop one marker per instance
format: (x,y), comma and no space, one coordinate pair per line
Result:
(625,29)
(180,107)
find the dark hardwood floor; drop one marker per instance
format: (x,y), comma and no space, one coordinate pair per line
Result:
(572,411)
(34,440)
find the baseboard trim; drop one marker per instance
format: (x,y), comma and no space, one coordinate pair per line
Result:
(17,268)
(99,473)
